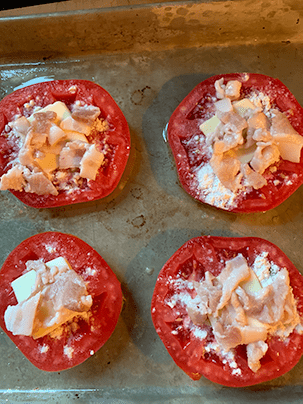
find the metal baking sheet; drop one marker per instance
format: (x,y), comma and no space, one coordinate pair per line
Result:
(148,57)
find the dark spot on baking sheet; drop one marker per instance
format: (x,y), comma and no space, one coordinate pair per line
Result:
(138,221)
(138,95)
(136,193)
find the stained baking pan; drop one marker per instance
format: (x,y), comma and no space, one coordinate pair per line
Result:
(148,57)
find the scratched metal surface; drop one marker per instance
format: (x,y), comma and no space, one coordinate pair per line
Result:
(148,58)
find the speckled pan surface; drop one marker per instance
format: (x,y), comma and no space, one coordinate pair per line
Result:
(148,58)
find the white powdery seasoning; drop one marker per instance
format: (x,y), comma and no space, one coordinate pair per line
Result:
(44,348)
(214,192)
(68,351)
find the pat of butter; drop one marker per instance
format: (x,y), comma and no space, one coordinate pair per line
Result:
(24,285)
(252,285)
(58,107)
(245,155)
(72,135)
(243,106)
(210,125)
(61,317)
(48,162)
(253,322)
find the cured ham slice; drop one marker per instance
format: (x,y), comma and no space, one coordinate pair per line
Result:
(85,113)
(227,169)
(20,319)
(235,272)
(37,183)
(289,141)
(55,135)
(246,138)
(252,178)
(13,179)
(71,155)
(230,90)
(240,310)
(265,155)
(74,125)
(255,351)
(223,107)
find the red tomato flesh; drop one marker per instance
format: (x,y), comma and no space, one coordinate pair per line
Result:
(193,259)
(117,137)
(197,107)
(47,353)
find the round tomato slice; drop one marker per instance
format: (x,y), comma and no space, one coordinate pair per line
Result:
(188,343)
(76,344)
(191,152)
(116,138)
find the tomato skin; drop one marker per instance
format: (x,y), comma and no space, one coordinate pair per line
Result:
(91,93)
(209,253)
(191,112)
(102,284)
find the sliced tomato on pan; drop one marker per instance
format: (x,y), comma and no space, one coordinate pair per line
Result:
(191,152)
(192,346)
(116,138)
(77,344)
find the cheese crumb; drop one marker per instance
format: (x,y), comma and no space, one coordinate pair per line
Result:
(44,348)
(90,272)
(68,351)
(50,248)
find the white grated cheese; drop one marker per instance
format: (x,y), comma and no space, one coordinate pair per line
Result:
(215,193)
(262,101)
(202,334)
(265,269)
(44,348)
(72,89)
(68,351)
(90,271)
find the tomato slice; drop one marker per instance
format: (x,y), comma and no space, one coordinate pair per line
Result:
(117,137)
(181,338)
(48,353)
(197,107)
